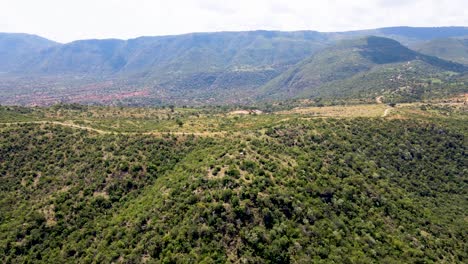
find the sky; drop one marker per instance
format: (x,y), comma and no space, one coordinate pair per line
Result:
(67,20)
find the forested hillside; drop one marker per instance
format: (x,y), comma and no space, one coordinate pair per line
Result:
(367,67)
(453,49)
(307,185)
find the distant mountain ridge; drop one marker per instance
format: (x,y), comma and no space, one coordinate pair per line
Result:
(18,47)
(209,51)
(222,67)
(186,53)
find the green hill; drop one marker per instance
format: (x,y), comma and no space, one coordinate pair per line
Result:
(364,67)
(453,49)
(284,188)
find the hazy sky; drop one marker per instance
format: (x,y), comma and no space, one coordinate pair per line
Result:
(67,20)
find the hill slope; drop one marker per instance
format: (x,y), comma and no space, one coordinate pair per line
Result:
(204,52)
(89,56)
(185,66)
(184,54)
(357,66)
(413,35)
(453,49)
(16,48)
(306,190)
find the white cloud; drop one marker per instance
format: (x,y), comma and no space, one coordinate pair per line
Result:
(66,20)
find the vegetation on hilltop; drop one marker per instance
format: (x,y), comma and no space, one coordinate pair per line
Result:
(283,187)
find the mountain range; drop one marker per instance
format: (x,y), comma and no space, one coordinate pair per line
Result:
(224,67)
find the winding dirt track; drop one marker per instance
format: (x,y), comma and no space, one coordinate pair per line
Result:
(379,101)
(154,133)
(99,131)
(386,112)
(60,124)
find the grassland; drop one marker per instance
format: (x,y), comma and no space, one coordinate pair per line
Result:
(204,121)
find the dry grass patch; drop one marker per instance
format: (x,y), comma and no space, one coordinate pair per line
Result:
(370,110)
(49,215)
